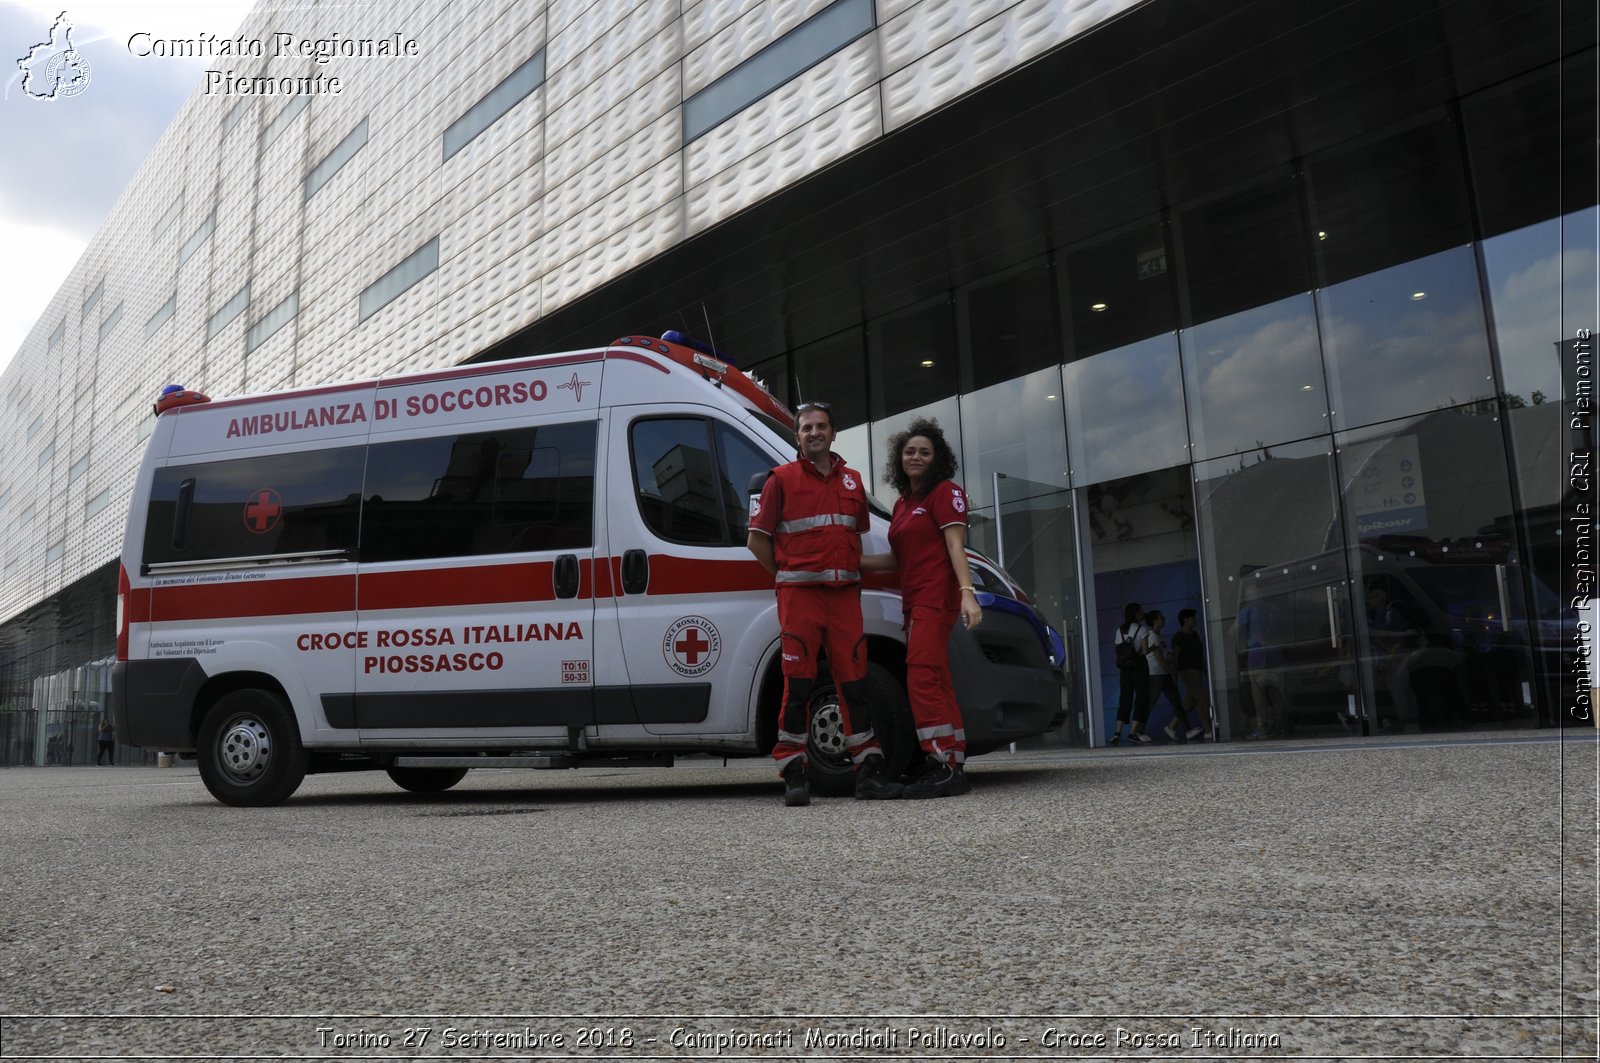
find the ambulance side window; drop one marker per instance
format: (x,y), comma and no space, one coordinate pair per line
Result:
(304,502)
(497,492)
(686,477)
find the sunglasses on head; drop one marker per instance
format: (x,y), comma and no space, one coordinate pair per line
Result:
(806,407)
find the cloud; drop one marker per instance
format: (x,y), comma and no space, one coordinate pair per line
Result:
(38,261)
(70,159)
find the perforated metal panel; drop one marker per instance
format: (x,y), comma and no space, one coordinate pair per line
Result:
(579,181)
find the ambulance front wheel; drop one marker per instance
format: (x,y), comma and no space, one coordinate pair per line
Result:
(829,767)
(250,753)
(426,780)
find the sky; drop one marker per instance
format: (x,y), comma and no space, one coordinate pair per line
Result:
(69,159)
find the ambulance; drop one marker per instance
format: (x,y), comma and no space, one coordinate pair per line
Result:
(534,563)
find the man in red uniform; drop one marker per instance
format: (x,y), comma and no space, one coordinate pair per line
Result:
(806,530)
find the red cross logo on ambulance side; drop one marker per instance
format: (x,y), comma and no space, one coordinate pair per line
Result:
(692,646)
(262,511)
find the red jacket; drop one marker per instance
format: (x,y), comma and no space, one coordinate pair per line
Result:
(815,523)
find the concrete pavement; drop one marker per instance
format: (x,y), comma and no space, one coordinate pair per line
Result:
(1405,897)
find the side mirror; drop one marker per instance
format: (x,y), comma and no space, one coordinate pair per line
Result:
(758,482)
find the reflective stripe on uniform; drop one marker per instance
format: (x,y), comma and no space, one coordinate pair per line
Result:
(822,520)
(860,738)
(826,575)
(944,730)
(789,738)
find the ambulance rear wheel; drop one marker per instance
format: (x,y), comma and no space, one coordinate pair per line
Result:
(829,768)
(250,753)
(426,780)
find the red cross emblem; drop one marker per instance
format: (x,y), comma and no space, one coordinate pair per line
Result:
(691,645)
(262,511)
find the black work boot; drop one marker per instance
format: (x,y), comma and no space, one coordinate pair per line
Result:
(873,782)
(942,780)
(796,791)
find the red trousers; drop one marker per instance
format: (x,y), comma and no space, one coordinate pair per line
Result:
(933,698)
(817,620)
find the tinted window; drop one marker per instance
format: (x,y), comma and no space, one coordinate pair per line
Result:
(739,460)
(691,479)
(251,507)
(480,493)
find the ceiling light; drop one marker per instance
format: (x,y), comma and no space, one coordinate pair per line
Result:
(1097,307)
(1321,235)
(1050,398)
(927,362)
(1306,387)
(1418,296)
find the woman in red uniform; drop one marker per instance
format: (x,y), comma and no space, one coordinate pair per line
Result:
(928,537)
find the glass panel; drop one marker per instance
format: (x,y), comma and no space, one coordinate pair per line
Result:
(834,370)
(388,287)
(1119,292)
(675,480)
(1124,410)
(483,114)
(1405,339)
(1392,200)
(1531,145)
(1034,541)
(1276,618)
(1542,286)
(913,359)
(1015,429)
(250,507)
(739,460)
(1140,544)
(509,491)
(798,50)
(1254,379)
(1011,326)
(1445,633)
(1245,250)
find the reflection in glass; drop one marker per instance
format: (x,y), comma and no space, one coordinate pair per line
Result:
(1254,379)
(832,370)
(1119,291)
(1013,428)
(1537,276)
(913,358)
(1279,635)
(1125,411)
(1542,287)
(1445,634)
(1406,338)
(1011,325)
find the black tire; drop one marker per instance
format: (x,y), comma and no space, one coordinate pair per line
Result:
(250,753)
(828,767)
(426,780)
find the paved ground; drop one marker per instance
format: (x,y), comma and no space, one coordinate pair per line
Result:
(1419,897)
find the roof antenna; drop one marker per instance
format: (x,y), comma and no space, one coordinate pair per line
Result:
(710,339)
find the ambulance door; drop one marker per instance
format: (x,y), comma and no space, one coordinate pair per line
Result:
(695,610)
(477,531)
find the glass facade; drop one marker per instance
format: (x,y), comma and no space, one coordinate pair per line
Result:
(1292,360)
(1321,409)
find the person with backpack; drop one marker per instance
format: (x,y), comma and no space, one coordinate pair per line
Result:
(1130,643)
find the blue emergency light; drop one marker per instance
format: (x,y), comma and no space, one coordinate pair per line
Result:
(683,339)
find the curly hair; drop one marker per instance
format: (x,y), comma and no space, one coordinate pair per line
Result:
(944,459)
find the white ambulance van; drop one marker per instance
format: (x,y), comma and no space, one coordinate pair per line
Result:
(530,563)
